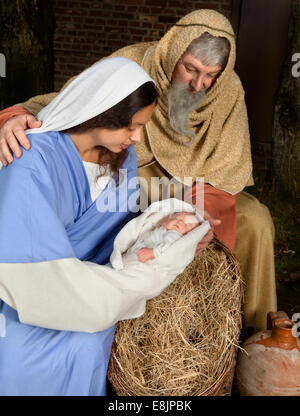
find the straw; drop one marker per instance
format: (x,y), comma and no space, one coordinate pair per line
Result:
(186,342)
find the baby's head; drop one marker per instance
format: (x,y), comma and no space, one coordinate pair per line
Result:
(183,222)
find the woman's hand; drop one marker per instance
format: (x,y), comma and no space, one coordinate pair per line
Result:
(12,136)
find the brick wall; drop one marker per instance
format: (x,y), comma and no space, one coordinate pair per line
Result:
(87,30)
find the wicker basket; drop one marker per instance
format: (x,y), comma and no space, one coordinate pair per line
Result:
(186,342)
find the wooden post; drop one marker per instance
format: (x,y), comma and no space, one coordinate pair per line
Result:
(26,41)
(286,122)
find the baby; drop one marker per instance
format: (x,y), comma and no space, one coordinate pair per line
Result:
(154,242)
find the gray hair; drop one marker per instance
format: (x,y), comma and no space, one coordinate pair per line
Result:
(210,50)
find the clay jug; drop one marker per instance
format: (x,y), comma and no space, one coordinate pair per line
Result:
(270,362)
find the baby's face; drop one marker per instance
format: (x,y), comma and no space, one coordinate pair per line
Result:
(183,222)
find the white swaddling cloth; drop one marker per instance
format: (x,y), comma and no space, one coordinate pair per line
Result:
(155,275)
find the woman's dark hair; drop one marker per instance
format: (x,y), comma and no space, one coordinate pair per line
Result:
(117,117)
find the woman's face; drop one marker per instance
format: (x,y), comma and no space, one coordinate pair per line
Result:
(119,139)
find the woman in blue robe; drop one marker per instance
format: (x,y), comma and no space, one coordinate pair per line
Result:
(52,228)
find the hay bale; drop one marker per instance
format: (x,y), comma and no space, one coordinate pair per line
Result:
(186,341)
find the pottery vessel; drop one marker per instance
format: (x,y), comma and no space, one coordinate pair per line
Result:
(270,362)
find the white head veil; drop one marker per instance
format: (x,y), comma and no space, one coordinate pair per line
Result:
(94,91)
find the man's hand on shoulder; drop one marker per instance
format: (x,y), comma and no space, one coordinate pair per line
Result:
(12,136)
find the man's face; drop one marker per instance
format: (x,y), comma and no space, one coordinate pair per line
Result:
(191,71)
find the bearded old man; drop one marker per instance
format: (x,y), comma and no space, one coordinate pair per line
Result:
(199,129)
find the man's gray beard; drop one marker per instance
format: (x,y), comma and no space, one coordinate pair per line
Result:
(180,103)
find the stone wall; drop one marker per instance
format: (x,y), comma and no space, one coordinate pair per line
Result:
(88,30)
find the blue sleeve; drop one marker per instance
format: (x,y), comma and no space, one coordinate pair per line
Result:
(30,228)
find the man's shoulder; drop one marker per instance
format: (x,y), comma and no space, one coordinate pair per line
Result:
(233,91)
(235,82)
(142,46)
(134,52)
